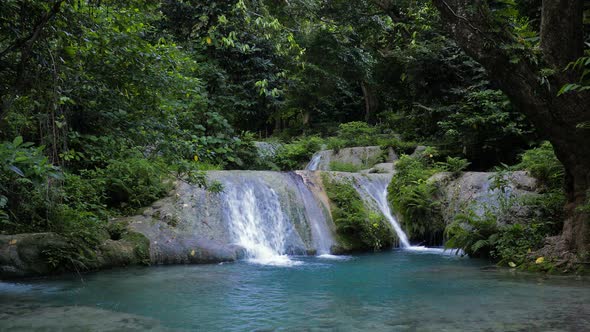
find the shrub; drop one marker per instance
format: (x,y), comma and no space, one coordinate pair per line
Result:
(297,154)
(335,143)
(83,231)
(515,242)
(86,193)
(454,165)
(475,234)
(481,236)
(25,172)
(542,163)
(399,146)
(413,197)
(357,133)
(133,183)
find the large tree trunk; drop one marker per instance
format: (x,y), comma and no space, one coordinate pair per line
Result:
(555,117)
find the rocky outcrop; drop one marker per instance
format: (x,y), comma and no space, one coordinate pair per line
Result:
(361,157)
(381,168)
(40,254)
(481,192)
(192,225)
(24,255)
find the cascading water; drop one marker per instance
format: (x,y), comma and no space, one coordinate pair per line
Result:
(314,163)
(257,222)
(322,236)
(376,187)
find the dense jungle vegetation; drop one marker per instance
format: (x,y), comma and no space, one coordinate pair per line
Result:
(104,103)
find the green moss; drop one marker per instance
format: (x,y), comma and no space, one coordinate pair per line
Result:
(141,246)
(356,226)
(399,146)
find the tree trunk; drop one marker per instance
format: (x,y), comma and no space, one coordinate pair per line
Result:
(371,102)
(555,117)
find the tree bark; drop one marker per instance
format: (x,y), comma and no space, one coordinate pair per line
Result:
(371,102)
(472,26)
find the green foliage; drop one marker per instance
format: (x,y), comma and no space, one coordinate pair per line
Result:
(398,145)
(83,231)
(481,236)
(298,153)
(25,172)
(476,234)
(336,143)
(357,227)
(543,165)
(550,208)
(413,196)
(133,183)
(582,67)
(116,96)
(511,244)
(454,165)
(586,206)
(357,133)
(337,166)
(517,241)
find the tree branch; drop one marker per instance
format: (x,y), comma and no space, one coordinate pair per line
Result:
(30,39)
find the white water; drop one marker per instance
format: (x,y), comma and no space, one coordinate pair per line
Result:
(314,163)
(316,218)
(376,187)
(257,222)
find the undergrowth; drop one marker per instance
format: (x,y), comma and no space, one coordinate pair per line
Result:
(357,227)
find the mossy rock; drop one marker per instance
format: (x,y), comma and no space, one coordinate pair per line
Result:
(25,255)
(131,248)
(358,228)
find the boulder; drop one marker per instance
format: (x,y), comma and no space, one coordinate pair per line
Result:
(34,254)
(363,157)
(486,192)
(186,227)
(25,255)
(381,168)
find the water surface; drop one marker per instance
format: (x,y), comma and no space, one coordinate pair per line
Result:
(394,291)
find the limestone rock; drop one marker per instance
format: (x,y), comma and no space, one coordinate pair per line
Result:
(364,157)
(22,255)
(485,191)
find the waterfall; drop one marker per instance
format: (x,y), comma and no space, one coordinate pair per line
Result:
(316,217)
(314,163)
(273,215)
(376,187)
(257,222)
